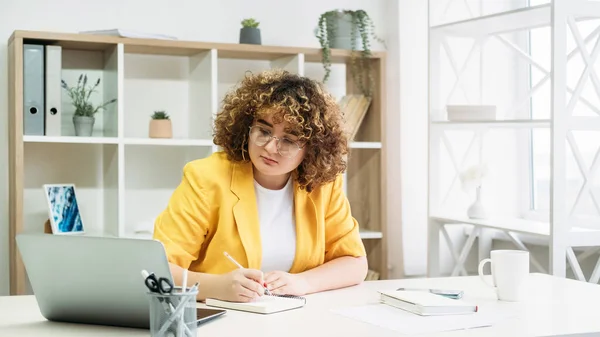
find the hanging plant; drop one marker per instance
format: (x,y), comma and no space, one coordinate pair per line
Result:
(356,24)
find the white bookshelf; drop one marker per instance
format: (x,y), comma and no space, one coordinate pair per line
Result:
(70,140)
(491,64)
(123,178)
(494,124)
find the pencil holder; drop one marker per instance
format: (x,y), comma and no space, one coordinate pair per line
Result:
(173,314)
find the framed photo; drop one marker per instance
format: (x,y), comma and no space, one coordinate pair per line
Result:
(63,209)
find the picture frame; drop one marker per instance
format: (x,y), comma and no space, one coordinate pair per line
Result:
(63,209)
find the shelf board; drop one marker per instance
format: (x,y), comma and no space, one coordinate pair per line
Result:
(577,236)
(507,123)
(584,123)
(167,142)
(514,20)
(365,234)
(183,47)
(70,139)
(153,141)
(365,145)
(369,234)
(523,226)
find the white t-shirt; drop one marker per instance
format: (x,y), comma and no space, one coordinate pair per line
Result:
(277,226)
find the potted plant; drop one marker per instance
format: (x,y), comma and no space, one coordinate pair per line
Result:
(348,29)
(160,125)
(84,116)
(249,33)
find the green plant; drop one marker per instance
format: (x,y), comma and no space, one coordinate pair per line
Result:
(80,96)
(362,25)
(250,23)
(160,115)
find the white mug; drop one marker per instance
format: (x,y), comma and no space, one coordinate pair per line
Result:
(510,269)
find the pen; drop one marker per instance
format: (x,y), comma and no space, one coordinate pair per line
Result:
(194,287)
(233,260)
(184,281)
(167,305)
(240,267)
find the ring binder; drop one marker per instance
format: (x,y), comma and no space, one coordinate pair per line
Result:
(289,296)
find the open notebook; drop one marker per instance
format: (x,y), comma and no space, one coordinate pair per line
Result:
(267,304)
(425,303)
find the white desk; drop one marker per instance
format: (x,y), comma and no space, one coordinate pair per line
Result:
(555,306)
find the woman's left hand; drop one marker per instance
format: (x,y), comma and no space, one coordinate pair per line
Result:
(282,283)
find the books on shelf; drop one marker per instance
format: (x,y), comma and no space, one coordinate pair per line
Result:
(129,33)
(425,303)
(372,275)
(355,108)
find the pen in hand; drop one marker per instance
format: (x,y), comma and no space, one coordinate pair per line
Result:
(267,291)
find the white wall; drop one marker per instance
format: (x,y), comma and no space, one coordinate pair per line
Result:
(413,35)
(282,23)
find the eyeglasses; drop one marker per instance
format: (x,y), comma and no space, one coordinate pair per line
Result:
(286,147)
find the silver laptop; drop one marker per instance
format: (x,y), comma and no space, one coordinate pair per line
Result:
(94,280)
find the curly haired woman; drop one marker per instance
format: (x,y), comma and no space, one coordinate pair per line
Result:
(272,198)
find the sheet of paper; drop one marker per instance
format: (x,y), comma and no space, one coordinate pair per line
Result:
(399,320)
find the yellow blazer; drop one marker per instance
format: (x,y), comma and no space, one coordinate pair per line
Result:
(214,210)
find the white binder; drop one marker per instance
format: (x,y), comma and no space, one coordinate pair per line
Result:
(33,89)
(53,90)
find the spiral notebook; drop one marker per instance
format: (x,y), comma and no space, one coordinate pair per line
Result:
(267,304)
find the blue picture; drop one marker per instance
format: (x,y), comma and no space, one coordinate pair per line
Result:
(64,210)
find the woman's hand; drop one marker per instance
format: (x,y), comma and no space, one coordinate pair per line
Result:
(279,282)
(240,285)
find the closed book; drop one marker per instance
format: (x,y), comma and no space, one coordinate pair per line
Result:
(425,303)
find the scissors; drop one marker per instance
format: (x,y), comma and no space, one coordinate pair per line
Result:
(160,285)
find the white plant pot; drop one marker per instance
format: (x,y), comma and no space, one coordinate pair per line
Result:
(84,125)
(476,210)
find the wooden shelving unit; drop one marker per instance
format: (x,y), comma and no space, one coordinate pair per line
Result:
(123,178)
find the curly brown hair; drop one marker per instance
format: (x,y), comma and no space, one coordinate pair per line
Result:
(311,112)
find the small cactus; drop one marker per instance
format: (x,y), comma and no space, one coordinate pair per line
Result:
(250,23)
(160,115)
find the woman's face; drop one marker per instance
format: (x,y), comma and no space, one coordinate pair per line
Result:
(266,157)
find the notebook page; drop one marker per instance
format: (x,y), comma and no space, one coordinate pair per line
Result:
(266,301)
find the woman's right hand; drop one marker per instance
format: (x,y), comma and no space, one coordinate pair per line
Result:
(241,285)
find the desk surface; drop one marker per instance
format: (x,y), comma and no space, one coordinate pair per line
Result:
(554,306)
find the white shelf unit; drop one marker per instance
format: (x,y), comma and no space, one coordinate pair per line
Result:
(123,178)
(514,81)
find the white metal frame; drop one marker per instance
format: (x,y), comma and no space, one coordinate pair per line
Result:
(563,230)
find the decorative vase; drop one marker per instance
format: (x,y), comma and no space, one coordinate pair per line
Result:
(84,125)
(476,210)
(341,36)
(161,128)
(250,35)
